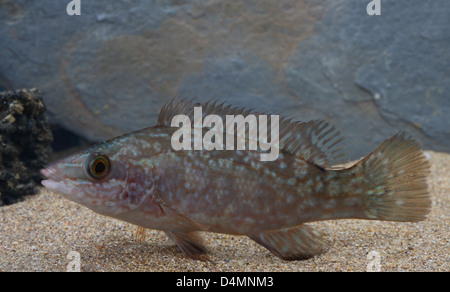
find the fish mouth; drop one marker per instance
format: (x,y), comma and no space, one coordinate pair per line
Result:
(53,182)
(57,184)
(50,173)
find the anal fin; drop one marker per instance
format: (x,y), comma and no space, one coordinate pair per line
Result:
(295,243)
(189,243)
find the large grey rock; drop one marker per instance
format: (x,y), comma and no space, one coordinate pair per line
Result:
(111,69)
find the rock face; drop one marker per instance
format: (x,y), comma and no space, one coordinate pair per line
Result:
(25,139)
(109,70)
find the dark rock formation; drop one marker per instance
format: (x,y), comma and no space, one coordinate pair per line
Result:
(25,140)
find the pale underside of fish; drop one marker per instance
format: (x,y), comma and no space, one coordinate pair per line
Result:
(139,178)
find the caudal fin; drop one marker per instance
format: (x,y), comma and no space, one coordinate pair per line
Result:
(396,187)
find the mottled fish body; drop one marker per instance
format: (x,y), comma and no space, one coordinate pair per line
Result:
(139,178)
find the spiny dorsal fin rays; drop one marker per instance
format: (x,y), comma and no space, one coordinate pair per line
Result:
(314,141)
(173,108)
(186,107)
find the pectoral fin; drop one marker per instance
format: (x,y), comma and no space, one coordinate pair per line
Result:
(189,243)
(295,243)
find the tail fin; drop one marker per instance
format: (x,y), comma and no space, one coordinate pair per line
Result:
(396,173)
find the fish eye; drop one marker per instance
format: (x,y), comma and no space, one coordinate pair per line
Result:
(98,166)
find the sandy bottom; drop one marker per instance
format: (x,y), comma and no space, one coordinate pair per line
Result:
(47,233)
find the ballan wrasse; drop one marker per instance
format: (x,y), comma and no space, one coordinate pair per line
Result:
(141,179)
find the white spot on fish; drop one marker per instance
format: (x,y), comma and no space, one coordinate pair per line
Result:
(290,199)
(157,146)
(330,204)
(319,186)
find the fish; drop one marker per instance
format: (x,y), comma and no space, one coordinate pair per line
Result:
(139,178)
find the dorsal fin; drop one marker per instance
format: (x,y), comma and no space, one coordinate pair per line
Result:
(186,107)
(313,141)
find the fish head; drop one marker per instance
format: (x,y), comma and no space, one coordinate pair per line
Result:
(100,178)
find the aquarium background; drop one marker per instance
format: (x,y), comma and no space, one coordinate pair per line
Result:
(109,70)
